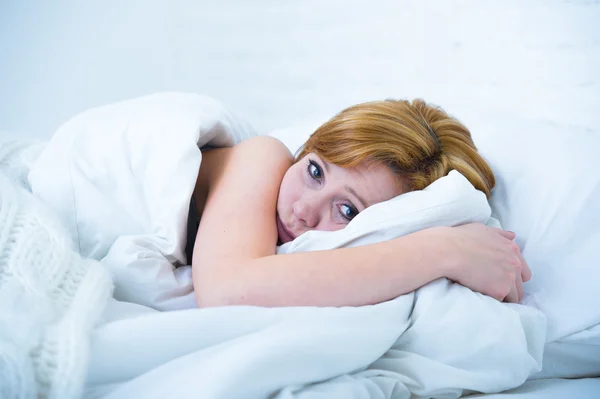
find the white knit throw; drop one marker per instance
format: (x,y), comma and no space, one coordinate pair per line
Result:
(50,298)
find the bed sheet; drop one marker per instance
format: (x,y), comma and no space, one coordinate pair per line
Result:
(586,388)
(547,387)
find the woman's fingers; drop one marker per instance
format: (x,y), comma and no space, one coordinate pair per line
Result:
(519,288)
(506,234)
(499,256)
(513,296)
(525,270)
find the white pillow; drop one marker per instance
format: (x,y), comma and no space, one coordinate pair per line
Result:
(548,192)
(449,201)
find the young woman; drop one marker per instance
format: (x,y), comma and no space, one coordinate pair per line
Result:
(255,195)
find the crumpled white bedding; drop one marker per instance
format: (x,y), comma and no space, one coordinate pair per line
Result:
(441,341)
(584,388)
(122,175)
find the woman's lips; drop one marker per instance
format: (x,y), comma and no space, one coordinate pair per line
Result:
(284,234)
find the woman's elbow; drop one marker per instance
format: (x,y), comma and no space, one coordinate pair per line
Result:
(214,291)
(208,289)
(210,295)
(212,298)
(208,299)
(213,295)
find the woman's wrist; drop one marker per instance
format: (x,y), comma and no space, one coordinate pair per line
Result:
(440,247)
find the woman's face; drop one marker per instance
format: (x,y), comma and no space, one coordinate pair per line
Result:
(317,195)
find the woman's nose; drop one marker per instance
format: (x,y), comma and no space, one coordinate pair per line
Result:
(305,213)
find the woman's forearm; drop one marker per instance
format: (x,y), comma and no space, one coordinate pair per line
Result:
(341,277)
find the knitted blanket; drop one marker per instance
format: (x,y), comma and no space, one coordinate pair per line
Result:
(50,298)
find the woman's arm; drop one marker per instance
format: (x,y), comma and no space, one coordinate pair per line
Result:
(234,254)
(340,277)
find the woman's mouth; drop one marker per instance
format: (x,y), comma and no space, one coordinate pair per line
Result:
(284,234)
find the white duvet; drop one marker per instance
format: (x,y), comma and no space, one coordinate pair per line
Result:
(121,177)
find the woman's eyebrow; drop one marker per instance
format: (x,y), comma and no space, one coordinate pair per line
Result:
(323,163)
(351,191)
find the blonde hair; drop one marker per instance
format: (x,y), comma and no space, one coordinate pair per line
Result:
(419,142)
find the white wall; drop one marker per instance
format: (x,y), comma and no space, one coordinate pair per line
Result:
(285,62)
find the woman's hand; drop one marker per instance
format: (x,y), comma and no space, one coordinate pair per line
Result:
(487,260)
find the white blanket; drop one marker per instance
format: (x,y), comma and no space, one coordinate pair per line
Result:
(122,175)
(442,341)
(50,299)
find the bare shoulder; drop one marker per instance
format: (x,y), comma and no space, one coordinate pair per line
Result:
(256,153)
(242,196)
(258,164)
(255,158)
(265,146)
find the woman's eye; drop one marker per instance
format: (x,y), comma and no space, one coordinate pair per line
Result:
(349,212)
(314,171)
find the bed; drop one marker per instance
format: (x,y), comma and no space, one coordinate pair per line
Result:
(526,71)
